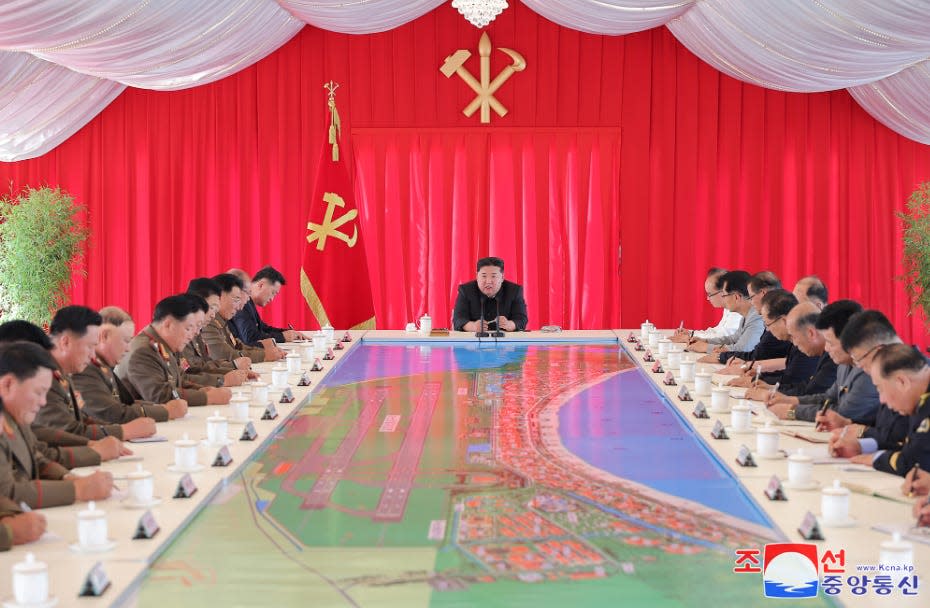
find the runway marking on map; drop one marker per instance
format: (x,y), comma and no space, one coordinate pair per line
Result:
(400,479)
(319,495)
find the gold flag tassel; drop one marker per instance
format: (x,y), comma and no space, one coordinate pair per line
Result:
(335,127)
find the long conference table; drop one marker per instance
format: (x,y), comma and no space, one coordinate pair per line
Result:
(875,501)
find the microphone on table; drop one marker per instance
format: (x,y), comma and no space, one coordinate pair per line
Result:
(481,333)
(497,333)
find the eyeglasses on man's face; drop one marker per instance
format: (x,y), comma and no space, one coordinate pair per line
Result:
(710,295)
(774,321)
(860,360)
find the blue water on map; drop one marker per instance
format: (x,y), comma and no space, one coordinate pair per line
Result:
(622,425)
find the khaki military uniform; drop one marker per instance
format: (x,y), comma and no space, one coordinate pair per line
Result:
(223,344)
(64,410)
(154,370)
(197,354)
(107,398)
(26,474)
(7,509)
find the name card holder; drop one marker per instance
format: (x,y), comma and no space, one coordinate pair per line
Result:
(347,337)
(744,457)
(147,527)
(287,396)
(775,491)
(317,365)
(186,486)
(809,528)
(631,338)
(330,355)
(669,379)
(647,356)
(271,412)
(223,458)
(657,368)
(684,394)
(304,379)
(339,346)
(96,582)
(700,410)
(719,432)
(639,346)
(248,432)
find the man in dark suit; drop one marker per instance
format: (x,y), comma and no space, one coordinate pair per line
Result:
(250,328)
(501,301)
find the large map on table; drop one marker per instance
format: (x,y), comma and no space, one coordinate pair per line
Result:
(473,474)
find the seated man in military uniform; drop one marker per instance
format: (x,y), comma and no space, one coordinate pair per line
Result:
(218,334)
(26,474)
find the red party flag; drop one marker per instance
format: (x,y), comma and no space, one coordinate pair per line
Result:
(334,273)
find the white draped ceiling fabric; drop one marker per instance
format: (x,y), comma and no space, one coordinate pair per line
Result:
(62,62)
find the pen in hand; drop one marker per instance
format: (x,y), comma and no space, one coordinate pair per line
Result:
(822,412)
(839,439)
(914,472)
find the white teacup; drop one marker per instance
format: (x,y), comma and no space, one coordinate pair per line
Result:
(720,399)
(293,363)
(30,581)
(260,392)
(741,416)
(674,359)
(686,370)
(239,408)
(329,331)
(800,469)
(217,429)
(279,375)
(654,337)
(702,383)
(185,454)
(834,504)
(896,552)
(664,345)
(767,441)
(92,527)
(644,330)
(141,486)
(426,325)
(319,343)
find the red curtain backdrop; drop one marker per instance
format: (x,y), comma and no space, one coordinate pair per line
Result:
(606,136)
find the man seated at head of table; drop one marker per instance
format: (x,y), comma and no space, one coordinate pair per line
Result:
(75,331)
(863,335)
(26,474)
(153,366)
(195,369)
(250,328)
(811,289)
(218,334)
(729,320)
(67,449)
(197,352)
(501,301)
(735,299)
(902,377)
(851,396)
(106,396)
(798,368)
(802,332)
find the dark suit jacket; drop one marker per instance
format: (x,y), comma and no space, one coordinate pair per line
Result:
(769,347)
(469,300)
(250,328)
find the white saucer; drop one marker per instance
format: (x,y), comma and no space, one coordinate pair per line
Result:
(710,411)
(131,504)
(731,431)
(11,603)
(849,522)
(219,444)
(176,469)
(776,456)
(813,484)
(77,548)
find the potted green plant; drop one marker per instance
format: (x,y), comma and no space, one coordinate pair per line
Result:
(41,247)
(916,277)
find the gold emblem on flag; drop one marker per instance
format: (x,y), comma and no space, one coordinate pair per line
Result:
(485,89)
(330,226)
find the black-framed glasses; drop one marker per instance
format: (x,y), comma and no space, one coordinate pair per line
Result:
(857,361)
(730,293)
(773,321)
(710,295)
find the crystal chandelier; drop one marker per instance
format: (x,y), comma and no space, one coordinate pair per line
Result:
(479,12)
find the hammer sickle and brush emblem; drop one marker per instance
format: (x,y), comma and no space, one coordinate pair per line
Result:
(485,89)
